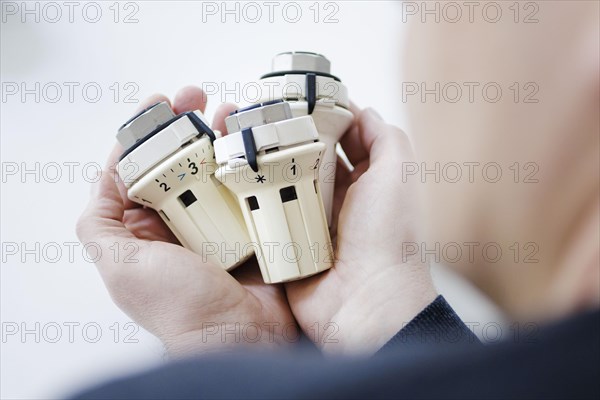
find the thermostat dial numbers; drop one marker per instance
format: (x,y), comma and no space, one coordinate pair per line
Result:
(190,165)
(331,122)
(282,206)
(280,168)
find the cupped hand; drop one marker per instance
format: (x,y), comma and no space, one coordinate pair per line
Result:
(374,288)
(191,305)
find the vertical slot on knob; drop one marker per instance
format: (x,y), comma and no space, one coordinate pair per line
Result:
(253,203)
(187,198)
(298,250)
(164,215)
(288,194)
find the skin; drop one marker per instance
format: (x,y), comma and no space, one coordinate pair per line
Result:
(170,291)
(354,308)
(373,288)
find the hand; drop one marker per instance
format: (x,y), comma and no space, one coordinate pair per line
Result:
(373,289)
(192,306)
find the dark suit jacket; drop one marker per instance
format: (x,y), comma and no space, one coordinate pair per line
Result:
(434,356)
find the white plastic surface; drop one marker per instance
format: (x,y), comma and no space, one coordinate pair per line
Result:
(212,225)
(282,134)
(157,148)
(292,237)
(293,86)
(330,119)
(291,234)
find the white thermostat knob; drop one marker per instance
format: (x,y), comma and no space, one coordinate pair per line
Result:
(169,165)
(270,161)
(304,80)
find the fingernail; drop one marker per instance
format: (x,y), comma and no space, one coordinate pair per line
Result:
(374,113)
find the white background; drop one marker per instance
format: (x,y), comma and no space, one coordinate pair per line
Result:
(172,44)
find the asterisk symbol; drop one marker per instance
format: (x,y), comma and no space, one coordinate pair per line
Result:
(260,179)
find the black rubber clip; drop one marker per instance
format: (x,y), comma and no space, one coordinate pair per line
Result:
(250,148)
(311,91)
(200,126)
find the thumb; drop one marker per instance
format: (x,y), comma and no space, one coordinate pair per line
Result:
(385,143)
(102,220)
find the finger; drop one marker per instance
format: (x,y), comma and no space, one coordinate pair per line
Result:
(145,223)
(222,112)
(111,167)
(351,142)
(343,180)
(190,98)
(343,177)
(383,142)
(113,157)
(102,220)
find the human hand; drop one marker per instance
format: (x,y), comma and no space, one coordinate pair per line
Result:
(373,289)
(191,305)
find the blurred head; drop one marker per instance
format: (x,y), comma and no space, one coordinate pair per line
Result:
(524,135)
